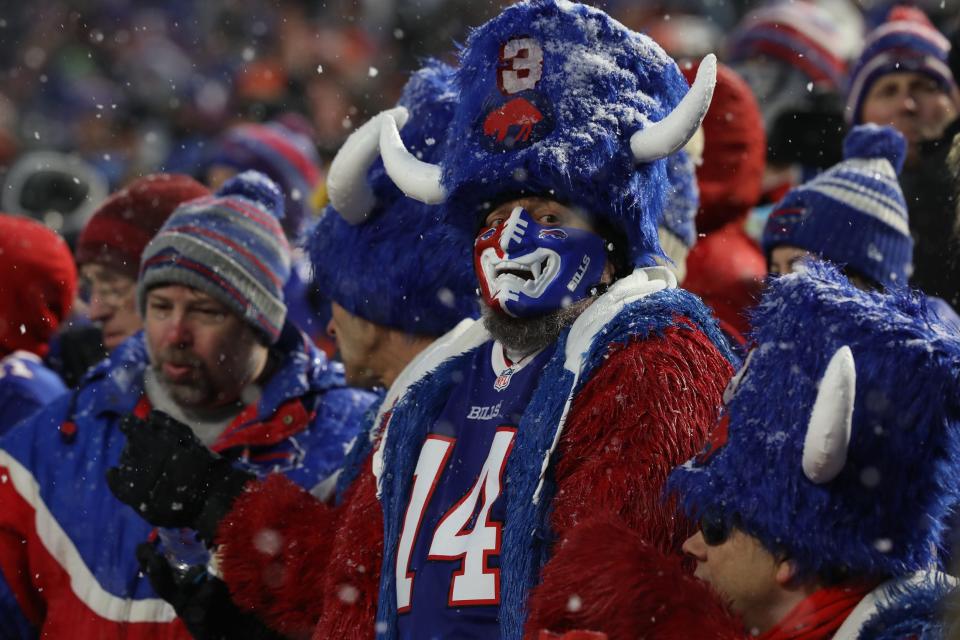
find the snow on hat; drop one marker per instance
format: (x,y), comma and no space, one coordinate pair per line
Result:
(677,230)
(61,190)
(38,280)
(557,99)
(839,443)
(230,246)
(906,42)
(800,34)
(854,213)
(402,266)
(122,226)
(734,145)
(285,154)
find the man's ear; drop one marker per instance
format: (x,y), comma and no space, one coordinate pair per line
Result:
(786,572)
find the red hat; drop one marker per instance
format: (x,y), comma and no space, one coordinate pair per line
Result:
(37,283)
(123,225)
(734,154)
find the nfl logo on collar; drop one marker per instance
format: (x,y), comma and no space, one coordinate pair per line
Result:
(503,380)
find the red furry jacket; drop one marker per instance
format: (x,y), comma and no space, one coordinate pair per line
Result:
(653,378)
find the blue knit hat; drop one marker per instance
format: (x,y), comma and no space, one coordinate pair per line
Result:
(400,266)
(906,42)
(230,246)
(283,154)
(853,214)
(839,443)
(557,99)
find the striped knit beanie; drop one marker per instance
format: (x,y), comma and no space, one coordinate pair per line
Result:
(800,34)
(230,246)
(123,225)
(284,154)
(907,42)
(853,214)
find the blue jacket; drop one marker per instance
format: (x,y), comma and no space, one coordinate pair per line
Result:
(26,385)
(68,564)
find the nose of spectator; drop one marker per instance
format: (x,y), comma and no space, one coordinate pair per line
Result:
(696,547)
(178,333)
(100,309)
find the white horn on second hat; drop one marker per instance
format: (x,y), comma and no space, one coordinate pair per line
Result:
(347,186)
(660,139)
(417,179)
(831,421)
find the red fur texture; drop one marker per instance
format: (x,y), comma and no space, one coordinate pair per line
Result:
(353,571)
(648,409)
(605,578)
(273,549)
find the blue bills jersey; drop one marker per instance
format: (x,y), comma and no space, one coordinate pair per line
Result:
(448,556)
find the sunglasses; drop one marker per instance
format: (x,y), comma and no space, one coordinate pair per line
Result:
(715,526)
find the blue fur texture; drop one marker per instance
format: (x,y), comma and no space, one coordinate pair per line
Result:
(403,267)
(913,611)
(683,199)
(527,536)
(884,513)
(600,83)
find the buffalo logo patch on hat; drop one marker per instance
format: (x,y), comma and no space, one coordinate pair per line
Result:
(520,120)
(782,220)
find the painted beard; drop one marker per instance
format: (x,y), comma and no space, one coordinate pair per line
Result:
(527,335)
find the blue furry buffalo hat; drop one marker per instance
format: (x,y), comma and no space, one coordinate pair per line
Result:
(385,257)
(839,444)
(557,99)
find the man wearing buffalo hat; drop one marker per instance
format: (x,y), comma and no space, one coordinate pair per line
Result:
(822,496)
(590,376)
(216,354)
(591,372)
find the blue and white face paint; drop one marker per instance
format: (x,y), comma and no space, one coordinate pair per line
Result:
(526,269)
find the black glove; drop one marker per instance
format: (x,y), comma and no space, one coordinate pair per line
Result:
(171,478)
(201,600)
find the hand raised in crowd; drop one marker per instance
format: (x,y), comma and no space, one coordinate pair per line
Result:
(170,478)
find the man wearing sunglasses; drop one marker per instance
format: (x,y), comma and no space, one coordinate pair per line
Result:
(822,495)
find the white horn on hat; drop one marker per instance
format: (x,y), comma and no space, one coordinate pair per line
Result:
(831,421)
(417,179)
(347,186)
(660,139)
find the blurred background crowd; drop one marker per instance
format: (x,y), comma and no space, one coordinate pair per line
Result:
(95,93)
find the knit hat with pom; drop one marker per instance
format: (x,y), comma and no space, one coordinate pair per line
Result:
(123,225)
(854,214)
(906,42)
(230,246)
(282,150)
